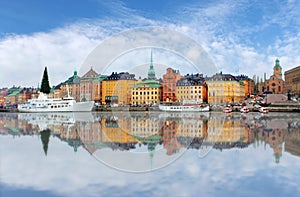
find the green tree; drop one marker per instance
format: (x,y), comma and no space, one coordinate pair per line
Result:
(45,87)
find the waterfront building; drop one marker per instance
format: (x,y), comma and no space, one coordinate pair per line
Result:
(292,81)
(249,84)
(116,88)
(87,85)
(147,92)
(97,87)
(275,83)
(169,84)
(191,87)
(57,93)
(3,93)
(12,95)
(225,88)
(72,84)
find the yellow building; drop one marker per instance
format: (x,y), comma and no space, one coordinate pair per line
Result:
(191,87)
(116,88)
(225,88)
(147,92)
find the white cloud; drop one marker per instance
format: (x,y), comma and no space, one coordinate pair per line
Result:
(215,27)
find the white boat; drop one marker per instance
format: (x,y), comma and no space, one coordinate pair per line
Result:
(244,110)
(44,104)
(186,106)
(227,109)
(263,110)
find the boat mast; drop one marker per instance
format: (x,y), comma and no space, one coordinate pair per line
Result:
(68,90)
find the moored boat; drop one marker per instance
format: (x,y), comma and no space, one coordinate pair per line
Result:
(227,109)
(44,104)
(244,109)
(186,106)
(263,110)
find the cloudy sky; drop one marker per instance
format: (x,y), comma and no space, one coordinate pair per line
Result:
(240,37)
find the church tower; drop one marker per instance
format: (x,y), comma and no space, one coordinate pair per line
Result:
(151,72)
(277,70)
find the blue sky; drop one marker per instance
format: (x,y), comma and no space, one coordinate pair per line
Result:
(241,37)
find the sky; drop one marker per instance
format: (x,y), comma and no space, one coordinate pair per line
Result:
(240,37)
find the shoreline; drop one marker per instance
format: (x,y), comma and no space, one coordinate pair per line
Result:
(272,108)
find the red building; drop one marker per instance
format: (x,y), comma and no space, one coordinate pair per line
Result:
(169,84)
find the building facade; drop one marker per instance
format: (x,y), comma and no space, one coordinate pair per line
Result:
(169,84)
(71,85)
(292,81)
(249,84)
(191,87)
(116,88)
(225,88)
(87,92)
(275,83)
(147,92)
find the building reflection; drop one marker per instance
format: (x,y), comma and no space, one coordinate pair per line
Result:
(172,132)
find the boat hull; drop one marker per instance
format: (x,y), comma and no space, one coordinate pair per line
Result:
(180,108)
(76,107)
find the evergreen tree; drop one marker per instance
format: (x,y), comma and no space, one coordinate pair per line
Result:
(45,87)
(45,135)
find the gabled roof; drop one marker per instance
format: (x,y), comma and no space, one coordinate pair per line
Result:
(90,74)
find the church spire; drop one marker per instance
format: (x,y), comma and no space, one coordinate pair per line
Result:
(151,72)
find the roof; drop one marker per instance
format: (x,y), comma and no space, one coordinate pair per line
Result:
(14,93)
(90,74)
(74,79)
(120,76)
(222,77)
(150,83)
(277,64)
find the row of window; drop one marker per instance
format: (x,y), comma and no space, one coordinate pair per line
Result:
(148,97)
(144,93)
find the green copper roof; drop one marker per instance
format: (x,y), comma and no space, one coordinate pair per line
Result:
(101,78)
(150,83)
(277,64)
(14,93)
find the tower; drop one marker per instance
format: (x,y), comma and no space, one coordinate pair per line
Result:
(277,69)
(151,72)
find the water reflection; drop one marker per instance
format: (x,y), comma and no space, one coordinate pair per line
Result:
(220,152)
(168,134)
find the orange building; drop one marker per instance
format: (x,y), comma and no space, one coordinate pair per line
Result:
(116,88)
(249,84)
(169,84)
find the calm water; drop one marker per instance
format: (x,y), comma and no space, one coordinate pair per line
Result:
(149,154)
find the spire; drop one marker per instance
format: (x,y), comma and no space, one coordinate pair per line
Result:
(151,61)
(151,72)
